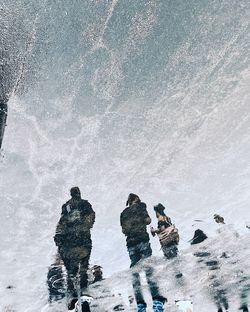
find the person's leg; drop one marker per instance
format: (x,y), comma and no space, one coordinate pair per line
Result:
(136,282)
(134,255)
(244,296)
(170,251)
(153,287)
(141,307)
(220,297)
(72,268)
(84,265)
(85,307)
(145,252)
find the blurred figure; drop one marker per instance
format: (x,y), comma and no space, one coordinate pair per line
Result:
(97,272)
(74,241)
(218,219)
(55,280)
(167,233)
(134,220)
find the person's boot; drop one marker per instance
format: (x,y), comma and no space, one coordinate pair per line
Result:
(158,303)
(141,307)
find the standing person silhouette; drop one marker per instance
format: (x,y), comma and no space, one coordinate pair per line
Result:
(74,241)
(134,220)
(167,233)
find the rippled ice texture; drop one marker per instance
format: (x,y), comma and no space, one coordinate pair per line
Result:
(147,96)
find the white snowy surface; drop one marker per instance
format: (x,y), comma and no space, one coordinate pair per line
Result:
(198,284)
(150,97)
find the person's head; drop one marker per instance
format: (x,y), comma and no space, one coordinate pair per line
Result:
(132,199)
(159,210)
(75,192)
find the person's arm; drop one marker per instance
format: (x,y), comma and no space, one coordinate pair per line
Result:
(145,214)
(64,210)
(125,225)
(58,238)
(90,215)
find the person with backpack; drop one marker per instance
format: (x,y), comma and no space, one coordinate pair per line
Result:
(134,220)
(74,243)
(167,233)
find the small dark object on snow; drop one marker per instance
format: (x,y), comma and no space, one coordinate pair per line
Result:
(178,275)
(119,307)
(199,236)
(224,255)
(131,299)
(10,287)
(219,219)
(212,263)
(202,254)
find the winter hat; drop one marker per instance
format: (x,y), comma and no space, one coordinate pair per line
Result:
(159,208)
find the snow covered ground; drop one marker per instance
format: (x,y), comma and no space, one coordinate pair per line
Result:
(213,272)
(147,96)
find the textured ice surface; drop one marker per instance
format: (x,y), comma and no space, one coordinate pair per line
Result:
(148,96)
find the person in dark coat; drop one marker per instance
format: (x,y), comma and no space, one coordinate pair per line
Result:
(74,240)
(134,220)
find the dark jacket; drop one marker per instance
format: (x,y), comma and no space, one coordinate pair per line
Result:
(73,228)
(134,221)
